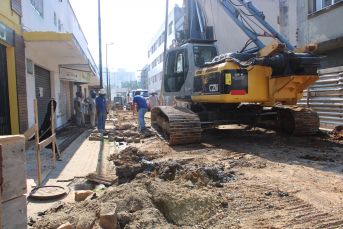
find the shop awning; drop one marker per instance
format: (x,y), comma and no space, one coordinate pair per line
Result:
(65,50)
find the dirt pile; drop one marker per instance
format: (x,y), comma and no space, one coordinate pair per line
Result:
(337,132)
(143,203)
(127,156)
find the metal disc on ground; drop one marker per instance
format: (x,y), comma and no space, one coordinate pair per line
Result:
(47,192)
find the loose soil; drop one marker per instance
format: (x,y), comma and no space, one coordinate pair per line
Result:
(236,177)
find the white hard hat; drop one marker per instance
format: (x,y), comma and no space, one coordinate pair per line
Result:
(102,91)
(152,91)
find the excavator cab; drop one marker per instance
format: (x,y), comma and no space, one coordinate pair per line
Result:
(181,63)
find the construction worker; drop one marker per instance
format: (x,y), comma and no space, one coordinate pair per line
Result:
(78,106)
(92,107)
(101,108)
(154,102)
(142,109)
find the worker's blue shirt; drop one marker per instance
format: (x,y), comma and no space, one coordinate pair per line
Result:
(141,103)
(101,101)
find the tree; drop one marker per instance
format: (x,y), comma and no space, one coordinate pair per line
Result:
(130,84)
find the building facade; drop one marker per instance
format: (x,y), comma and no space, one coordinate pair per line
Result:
(320,21)
(58,62)
(121,75)
(13,118)
(144,77)
(156,47)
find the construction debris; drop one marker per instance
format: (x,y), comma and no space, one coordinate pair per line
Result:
(337,132)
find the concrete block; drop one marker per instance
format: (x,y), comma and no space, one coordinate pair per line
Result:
(66,225)
(82,195)
(108,216)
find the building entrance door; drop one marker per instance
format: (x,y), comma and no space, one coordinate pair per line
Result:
(5,117)
(43,91)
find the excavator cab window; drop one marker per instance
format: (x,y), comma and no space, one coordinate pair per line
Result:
(175,73)
(203,54)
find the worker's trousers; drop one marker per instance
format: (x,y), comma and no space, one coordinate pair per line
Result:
(141,113)
(101,120)
(80,117)
(92,117)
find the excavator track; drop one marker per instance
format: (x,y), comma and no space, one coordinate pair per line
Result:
(176,125)
(298,120)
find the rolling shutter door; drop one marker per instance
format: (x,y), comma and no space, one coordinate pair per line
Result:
(42,84)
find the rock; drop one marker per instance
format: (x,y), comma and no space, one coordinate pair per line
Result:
(66,225)
(129,140)
(142,136)
(82,195)
(57,206)
(108,215)
(106,137)
(119,139)
(111,139)
(125,139)
(136,140)
(86,222)
(100,187)
(189,184)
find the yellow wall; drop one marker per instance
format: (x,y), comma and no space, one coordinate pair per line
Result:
(9,17)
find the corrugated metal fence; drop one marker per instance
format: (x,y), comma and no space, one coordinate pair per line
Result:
(326,97)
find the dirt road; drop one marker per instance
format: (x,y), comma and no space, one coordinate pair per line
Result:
(276,181)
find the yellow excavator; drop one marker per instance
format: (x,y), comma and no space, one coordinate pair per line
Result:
(250,87)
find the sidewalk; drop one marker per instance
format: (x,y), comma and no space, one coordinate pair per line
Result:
(79,159)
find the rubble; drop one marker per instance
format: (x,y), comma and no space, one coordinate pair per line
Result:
(82,195)
(108,215)
(66,225)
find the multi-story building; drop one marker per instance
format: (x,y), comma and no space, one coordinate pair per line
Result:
(121,75)
(320,21)
(144,77)
(58,62)
(156,47)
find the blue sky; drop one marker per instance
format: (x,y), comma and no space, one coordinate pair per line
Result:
(130,24)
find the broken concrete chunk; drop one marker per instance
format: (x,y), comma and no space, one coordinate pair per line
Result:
(142,137)
(108,215)
(111,139)
(86,222)
(57,206)
(136,140)
(129,140)
(66,225)
(82,195)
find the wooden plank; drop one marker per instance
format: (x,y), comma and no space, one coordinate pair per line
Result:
(118,118)
(14,213)
(14,168)
(30,132)
(53,134)
(37,144)
(46,142)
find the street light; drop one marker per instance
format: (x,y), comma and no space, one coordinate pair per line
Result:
(108,90)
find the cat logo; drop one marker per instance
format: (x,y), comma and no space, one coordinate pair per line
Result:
(213,87)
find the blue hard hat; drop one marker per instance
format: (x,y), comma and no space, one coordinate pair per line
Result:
(79,93)
(93,92)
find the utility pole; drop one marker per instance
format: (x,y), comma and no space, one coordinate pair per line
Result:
(100,61)
(283,18)
(165,48)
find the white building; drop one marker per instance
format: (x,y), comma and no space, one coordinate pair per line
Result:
(121,76)
(156,47)
(58,62)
